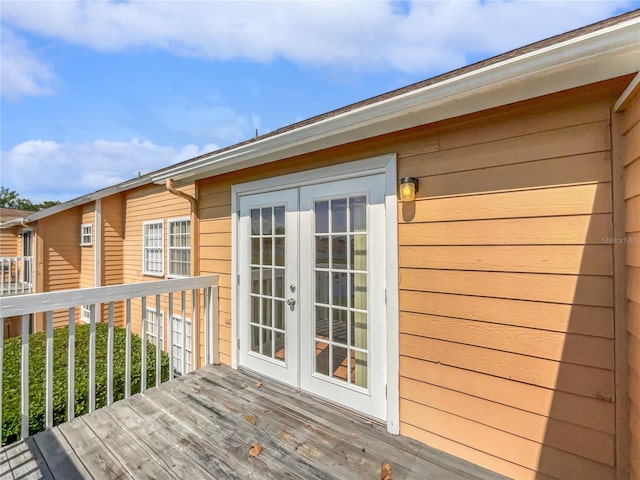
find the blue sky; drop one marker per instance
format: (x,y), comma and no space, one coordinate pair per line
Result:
(94,92)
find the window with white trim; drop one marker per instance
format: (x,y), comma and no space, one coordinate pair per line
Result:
(152,248)
(154,325)
(86,234)
(179,240)
(178,345)
(85,313)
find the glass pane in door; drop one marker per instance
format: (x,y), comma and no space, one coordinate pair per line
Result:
(341,289)
(267,292)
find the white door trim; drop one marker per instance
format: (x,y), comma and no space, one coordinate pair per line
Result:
(385,164)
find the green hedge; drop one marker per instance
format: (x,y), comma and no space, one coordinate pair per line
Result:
(37,347)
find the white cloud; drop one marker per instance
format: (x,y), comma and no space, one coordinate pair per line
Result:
(22,73)
(420,36)
(46,170)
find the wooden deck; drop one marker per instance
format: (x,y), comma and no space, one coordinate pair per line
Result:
(202,426)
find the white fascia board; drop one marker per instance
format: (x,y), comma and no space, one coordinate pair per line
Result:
(14,222)
(120,187)
(593,57)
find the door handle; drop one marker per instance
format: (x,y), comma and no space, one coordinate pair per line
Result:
(291,302)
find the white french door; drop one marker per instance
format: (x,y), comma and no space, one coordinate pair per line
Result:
(268,275)
(312,289)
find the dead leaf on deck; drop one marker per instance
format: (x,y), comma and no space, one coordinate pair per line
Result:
(256,448)
(385,472)
(251,419)
(258,385)
(244,385)
(197,389)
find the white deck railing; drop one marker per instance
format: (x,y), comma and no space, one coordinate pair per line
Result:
(16,274)
(193,298)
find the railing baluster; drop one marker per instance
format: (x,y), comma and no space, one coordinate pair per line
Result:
(24,379)
(2,274)
(21,277)
(71,365)
(15,276)
(92,357)
(127,350)
(110,356)
(169,336)
(183,312)
(159,332)
(143,346)
(195,328)
(207,343)
(49,371)
(202,290)
(213,319)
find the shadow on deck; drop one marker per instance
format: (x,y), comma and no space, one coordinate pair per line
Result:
(202,426)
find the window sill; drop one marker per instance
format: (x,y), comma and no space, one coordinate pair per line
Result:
(153,274)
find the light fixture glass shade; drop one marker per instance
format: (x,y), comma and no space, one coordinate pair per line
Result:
(408,188)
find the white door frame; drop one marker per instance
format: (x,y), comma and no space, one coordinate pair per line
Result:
(383,164)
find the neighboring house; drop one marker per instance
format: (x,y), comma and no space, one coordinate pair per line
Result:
(16,259)
(495,317)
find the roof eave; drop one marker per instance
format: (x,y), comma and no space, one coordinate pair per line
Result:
(596,56)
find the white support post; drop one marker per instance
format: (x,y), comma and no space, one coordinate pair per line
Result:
(195,356)
(159,332)
(110,334)
(24,379)
(71,365)
(49,371)
(92,357)
(143,346)
(183,298)
(127,350)
(170,335)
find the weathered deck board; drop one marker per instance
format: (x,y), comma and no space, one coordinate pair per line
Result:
(202,425)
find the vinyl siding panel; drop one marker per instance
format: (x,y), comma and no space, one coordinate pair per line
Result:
(630,131)
(149,203)
(87,252)
(9,242)
(506,281)
(61,262)
(500,235)
(113,248)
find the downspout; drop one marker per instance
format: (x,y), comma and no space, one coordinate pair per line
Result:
(195,226)
(97,249)
(195,255)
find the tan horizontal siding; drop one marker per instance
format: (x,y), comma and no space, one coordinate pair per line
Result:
(631,158)
(563,142)
(570,289)
(147,204)
(506,289)
(502,444)
(560,346)
(545,202)
(506,276)
(566,230)
(562,259)
(568,437)
(570,408)
(9,243)
(87,267)
(579,319)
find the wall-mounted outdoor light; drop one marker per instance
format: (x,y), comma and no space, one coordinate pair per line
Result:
(408,189)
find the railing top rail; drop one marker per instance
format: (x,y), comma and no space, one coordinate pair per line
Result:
(42,302)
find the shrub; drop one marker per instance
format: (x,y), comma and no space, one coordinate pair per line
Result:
(37,370)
